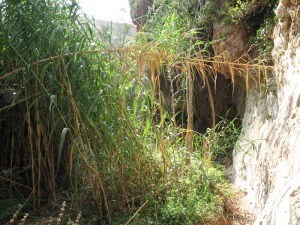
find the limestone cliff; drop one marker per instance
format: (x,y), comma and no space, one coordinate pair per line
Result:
(267,155)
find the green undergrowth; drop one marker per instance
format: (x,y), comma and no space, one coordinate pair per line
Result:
(77,124)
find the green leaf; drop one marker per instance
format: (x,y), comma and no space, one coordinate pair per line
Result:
(61,143)
(53,101)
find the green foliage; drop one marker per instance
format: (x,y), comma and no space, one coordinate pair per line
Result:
(187,194)
(189,23)
(44,47)
(241,9)
(172,26)
(83,122)
(258,17)
(52,32)
(7,208)
(190,198)
(222,138)
(263,38)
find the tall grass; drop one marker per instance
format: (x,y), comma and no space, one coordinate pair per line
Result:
(43,58)
(76,114)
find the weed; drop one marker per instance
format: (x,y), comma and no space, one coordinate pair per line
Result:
(83,120)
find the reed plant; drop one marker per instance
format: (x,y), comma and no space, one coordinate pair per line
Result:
(76,115)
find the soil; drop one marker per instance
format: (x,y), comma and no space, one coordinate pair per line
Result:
(237,207)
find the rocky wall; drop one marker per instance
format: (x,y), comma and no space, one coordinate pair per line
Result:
(267,156)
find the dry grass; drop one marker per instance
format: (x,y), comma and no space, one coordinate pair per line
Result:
(207,68)
(61,218)
(43,144)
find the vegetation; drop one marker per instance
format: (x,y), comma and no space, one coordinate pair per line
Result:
(79,123)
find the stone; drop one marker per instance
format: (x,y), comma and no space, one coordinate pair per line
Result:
(268,151)
(229,42)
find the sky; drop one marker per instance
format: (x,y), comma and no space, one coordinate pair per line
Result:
(111,10)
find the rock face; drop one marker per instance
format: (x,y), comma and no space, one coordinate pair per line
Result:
(139,12)
(232,47)
(234,42)
(267,155)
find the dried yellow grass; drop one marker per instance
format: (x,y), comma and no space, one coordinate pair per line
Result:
(254,76)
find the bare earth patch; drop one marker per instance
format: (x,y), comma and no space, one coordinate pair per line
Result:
(237,207)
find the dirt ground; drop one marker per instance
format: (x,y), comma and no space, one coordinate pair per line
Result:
(237,206)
